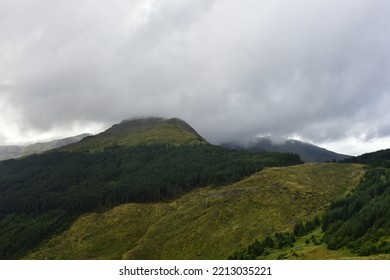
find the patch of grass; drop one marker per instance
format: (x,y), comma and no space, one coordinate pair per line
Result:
(207,223)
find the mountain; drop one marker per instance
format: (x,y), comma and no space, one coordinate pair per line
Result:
(308,152)
(9,152)
(139,132)
(154,189)
(41,195)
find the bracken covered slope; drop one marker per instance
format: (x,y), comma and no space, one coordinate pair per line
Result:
(207,223)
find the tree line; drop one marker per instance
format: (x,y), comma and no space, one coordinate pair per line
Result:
(42,194)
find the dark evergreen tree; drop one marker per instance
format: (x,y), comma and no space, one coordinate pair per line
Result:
(299,229)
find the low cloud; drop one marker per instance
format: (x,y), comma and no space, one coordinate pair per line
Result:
(232,69)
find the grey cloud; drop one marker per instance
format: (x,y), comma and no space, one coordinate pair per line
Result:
(232,69)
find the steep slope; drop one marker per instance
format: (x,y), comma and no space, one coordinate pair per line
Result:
(140,131)
(308,152)
(9,152)
(207,223)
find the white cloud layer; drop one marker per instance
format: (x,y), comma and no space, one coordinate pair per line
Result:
(232,69)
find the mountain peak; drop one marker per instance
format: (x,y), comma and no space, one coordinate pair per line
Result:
(141,131)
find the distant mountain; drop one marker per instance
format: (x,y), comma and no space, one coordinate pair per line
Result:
(9,152)
(140,131)
(308,152)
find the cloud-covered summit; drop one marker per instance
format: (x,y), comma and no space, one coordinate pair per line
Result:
(313,70)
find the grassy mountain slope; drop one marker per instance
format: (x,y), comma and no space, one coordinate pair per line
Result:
(308,152)
(356,225)
(140,132)
(207,223)
(9,152)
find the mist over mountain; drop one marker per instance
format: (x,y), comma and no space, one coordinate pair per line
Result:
(232,69)
(152,130)
(308,152)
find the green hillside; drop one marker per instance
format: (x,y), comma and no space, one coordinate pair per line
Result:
(145,131)
(207,223)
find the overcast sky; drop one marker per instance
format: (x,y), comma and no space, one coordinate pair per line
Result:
(317,71)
